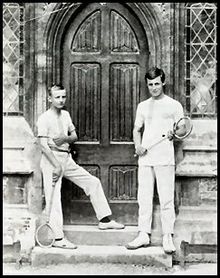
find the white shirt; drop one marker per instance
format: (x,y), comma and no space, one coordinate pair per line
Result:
(158,116)
(50,125)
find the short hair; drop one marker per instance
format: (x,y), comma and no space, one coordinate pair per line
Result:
(55,87)
(154,72)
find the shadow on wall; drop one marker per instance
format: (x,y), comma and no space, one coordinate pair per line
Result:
(21,154)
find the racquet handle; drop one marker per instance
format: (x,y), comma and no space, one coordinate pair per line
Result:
(163,138)
(51,200)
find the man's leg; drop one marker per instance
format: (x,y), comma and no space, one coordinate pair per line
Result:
(56,215)
(91,186)
(145,201)
(165,176)
(146,180)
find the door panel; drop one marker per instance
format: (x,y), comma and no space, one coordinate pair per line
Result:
(88,36)
(84,105)
(122,36)
(124,95)
(104,59)
(122,183)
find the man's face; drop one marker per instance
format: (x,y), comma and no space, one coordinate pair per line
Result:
(155,86)
(58,98)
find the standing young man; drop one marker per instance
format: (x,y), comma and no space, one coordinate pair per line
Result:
(157,116)
(55,132)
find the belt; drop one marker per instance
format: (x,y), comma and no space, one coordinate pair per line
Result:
(54,149)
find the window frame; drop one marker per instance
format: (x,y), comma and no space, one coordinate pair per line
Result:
(188,78)
(20,75)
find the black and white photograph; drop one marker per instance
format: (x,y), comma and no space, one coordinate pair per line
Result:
(109,138)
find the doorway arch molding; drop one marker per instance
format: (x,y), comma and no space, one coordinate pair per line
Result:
(146,13)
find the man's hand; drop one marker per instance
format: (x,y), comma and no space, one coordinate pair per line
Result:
(57,171)
(60,139)
(170,135)
(139,150)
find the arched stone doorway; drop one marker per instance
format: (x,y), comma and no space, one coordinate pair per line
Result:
(100,53)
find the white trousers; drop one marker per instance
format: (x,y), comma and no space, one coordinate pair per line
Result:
(165,180)
(82,178)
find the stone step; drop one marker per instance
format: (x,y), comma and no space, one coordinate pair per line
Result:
(153,256)
(188,221)
(192,213)
(90,234)
(190,217)
(197,210)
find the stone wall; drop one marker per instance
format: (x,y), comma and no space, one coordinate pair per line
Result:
(22,186)
(21,157)
(197,158)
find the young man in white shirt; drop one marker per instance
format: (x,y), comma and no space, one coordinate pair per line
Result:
(55,132)
(157,116)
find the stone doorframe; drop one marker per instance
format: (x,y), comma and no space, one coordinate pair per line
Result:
(56,27)
(44,39)
(162,23)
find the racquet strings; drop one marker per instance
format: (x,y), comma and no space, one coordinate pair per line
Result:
(183,128)
(45,235)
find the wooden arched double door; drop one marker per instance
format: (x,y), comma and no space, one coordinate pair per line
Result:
(103,63)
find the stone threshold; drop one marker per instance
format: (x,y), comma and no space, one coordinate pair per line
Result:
(153,255)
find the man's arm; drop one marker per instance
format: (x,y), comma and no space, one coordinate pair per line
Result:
(72,137)
(137,141)
(181,129)
(50,156)
(62,138)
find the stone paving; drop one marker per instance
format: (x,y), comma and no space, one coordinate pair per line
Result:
(105,269)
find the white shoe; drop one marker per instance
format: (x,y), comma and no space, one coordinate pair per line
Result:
(168,245)
(142,240)
(110,225)
(64,243)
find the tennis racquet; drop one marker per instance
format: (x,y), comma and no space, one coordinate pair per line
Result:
(45,236)
(181,129)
